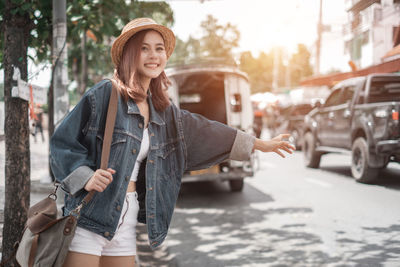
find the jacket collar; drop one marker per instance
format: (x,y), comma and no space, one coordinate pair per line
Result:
(154,115)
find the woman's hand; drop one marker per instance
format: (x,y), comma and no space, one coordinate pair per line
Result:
(276,144)
(100,180)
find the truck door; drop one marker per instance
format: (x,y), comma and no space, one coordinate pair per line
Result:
(326,118)
(342,113)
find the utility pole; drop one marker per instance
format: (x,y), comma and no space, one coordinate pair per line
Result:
(275,70)
(17,26)
(60,69)
(319,32)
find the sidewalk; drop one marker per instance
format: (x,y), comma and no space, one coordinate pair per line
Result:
(41,187)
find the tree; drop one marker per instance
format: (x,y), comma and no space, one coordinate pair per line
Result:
(300,65)
(17,25)
(218,40)
(185,52)
(101,20)
(215,44)
(259,70)
(89,58)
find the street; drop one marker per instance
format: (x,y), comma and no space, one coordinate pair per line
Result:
(288,215)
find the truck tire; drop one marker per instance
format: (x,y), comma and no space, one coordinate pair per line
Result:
(360,169)
(311,157)
(236,185)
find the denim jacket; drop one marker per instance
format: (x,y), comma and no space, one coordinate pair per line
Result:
(179,141)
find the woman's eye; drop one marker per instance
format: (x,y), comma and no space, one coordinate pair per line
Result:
(144,48)
(160,48)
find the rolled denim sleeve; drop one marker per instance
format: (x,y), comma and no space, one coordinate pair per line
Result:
(242,146)
(70,161)
(210,142)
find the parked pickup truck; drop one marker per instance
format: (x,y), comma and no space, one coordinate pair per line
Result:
(359,117)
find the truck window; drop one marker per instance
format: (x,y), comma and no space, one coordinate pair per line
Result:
(347,95)
(333,99)
(203,93)
(384,89)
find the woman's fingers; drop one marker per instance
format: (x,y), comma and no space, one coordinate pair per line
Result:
(277,151)
(281,137)
(100,180)
(283,145)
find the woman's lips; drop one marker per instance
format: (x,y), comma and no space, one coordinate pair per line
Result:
(151,65)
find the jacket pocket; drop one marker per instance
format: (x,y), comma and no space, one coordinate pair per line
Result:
(166,149)
(118,143)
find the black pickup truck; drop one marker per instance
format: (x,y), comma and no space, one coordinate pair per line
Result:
(360,117)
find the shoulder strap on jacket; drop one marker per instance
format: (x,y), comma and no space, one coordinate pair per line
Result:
(110,122)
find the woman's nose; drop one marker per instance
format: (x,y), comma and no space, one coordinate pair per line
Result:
(152,53)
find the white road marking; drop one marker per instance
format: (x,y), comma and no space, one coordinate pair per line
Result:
(318,182)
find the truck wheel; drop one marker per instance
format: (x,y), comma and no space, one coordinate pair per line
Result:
(311,157)
(360,169)
(236,185)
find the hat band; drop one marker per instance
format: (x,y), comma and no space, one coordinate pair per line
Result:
(145,23)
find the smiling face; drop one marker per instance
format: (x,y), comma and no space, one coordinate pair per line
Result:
(152,57)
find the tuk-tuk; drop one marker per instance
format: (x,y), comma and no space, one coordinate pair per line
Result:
(220,93)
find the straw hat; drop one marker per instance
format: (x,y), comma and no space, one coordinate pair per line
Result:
(135,26)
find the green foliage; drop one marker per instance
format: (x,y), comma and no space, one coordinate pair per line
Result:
(103,17)
(259,70)
(215,44)
(185,52)
(218,40)
(300,65)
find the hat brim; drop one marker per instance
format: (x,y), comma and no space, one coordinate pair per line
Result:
(119,43)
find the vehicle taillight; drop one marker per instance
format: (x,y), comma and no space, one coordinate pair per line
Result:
(395,115)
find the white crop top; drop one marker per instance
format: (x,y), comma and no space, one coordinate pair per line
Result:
(144,150)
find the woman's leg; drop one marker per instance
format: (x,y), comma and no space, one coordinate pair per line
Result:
(117,261)
(80,259)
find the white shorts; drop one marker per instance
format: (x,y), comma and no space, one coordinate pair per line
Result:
(124,240)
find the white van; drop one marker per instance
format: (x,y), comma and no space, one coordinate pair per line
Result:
(220,93)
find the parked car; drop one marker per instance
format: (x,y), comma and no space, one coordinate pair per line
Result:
(220,93)
(291,120)
(360,117)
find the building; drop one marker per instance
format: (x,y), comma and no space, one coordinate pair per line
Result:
(372,30)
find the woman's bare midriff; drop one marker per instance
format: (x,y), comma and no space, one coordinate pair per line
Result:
(131,186)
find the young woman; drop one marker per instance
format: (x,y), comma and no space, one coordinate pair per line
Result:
(153,144)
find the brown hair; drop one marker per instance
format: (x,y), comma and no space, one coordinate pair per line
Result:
(128,80)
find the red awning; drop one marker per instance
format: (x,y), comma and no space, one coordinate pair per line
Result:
(330,80)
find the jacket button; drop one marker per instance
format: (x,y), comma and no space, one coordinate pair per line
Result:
(151,188)
(119,208)
(106,234)
(140,125)
(151,161)
(133,151)
(152,134)
(127,178)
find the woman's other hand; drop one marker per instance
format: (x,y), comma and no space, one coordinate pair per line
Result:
(100,180)
(276,144)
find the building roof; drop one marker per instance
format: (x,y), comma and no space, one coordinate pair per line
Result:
(362,4)
(330,80)
(394,52)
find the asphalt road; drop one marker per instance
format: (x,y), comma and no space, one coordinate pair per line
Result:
(287,215)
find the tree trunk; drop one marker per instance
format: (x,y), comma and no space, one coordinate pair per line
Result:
(84,66)
(17,165)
